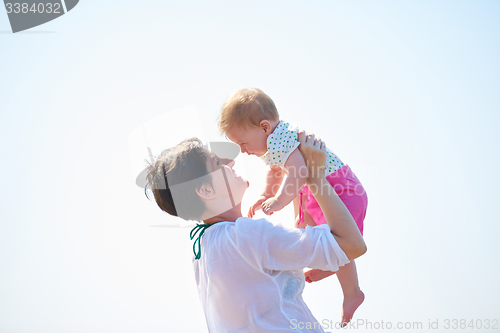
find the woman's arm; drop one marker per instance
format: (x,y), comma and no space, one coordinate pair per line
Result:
(339,219)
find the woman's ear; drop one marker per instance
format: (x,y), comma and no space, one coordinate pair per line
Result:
(265,125)
(206,191)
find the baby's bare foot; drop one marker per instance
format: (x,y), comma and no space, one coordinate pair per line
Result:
(316,274)
(351,303)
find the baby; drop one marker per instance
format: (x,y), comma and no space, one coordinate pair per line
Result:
(250,119)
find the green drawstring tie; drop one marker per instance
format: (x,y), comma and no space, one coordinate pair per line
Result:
(193,233)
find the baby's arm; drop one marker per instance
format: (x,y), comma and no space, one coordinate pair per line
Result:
(274,177)
(295,180)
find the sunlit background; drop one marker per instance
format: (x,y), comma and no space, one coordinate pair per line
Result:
(405,92)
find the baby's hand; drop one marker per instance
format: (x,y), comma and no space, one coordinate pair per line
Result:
(270,206)
(256,206)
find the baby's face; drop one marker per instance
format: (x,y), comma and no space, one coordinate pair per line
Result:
(252,140)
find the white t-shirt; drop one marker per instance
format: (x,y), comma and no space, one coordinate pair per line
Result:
(250,276)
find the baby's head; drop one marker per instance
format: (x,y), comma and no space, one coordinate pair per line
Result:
(247,118)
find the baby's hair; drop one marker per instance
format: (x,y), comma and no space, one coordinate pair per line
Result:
(246,108)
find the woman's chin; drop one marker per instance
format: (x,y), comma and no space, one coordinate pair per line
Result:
(244,180)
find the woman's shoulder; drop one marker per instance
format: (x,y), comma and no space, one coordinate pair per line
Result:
(245,224)
(260,228)
(248,223)
(245,233)
(253,227)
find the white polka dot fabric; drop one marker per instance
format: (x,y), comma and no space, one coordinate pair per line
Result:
(283,141)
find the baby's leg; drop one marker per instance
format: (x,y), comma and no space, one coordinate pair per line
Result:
(314,275)
(342,181)
(353,296)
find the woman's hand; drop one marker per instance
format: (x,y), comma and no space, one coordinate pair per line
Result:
(314,152)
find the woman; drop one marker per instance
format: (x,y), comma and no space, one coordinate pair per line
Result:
(249,273)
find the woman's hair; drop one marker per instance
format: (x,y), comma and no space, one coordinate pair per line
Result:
(176,175)
(246,108)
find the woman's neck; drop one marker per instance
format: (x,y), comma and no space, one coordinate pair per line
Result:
(228,216)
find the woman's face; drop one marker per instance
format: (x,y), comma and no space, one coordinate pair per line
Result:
(226,182)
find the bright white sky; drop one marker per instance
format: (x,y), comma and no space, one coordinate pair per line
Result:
(405,92)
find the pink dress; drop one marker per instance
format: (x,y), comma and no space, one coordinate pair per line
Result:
(283,141)
(349,190)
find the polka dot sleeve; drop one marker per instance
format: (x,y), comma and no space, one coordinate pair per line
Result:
(280,144)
